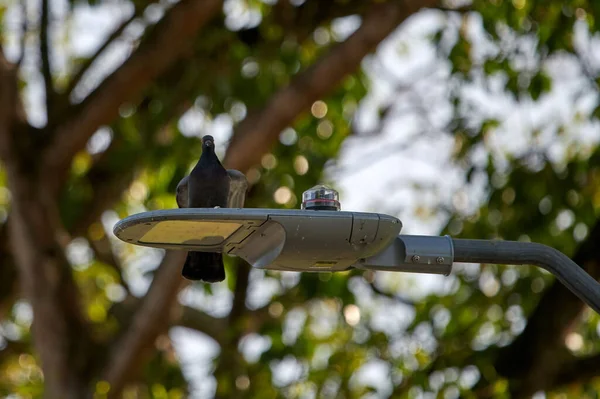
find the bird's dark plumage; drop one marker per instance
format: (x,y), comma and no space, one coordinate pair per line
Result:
(207,187)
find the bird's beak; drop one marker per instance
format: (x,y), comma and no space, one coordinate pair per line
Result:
(208,143)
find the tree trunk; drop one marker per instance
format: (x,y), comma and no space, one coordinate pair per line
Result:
(59,330)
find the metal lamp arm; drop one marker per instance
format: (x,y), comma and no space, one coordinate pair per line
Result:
(431,254)
(530,253)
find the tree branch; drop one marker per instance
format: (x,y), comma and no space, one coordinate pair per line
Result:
(150,319)
(107,184)
(304,19)
(104,253)
(256,133)
(216,328)
(578,370)
(45,57)
(60,331)
(85,66)
(24,31)
(12,113)
(240,291)
(194,319)
(8,273)
(12,119)
(108,181)
(182,316)
(393,296)
(163,46)
(230,361)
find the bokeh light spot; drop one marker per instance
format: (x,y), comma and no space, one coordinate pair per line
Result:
(319,109)
(269,161)
(288,136)
(253,176)
(242,382)
(102,387)
(301,165)
(282,195)
(275,309)
(574,341)
(352,314)
(325,129)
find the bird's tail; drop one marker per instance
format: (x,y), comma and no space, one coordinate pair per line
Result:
(206,266)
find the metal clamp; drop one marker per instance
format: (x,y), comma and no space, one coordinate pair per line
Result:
(416,254)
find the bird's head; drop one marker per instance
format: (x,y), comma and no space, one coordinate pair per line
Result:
(208,143)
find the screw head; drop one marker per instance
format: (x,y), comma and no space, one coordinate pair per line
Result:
(440,260)
(416,258)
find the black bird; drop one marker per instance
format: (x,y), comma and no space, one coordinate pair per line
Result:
(209,185)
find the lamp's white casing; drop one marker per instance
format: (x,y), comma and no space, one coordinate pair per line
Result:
(295,240)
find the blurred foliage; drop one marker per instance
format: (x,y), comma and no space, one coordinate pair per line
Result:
(350,334)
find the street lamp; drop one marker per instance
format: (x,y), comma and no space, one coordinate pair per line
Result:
(322,238)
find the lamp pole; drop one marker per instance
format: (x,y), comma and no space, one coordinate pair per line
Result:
(530,253)
(436,255)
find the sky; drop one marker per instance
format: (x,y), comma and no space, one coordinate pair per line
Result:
(406,167)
